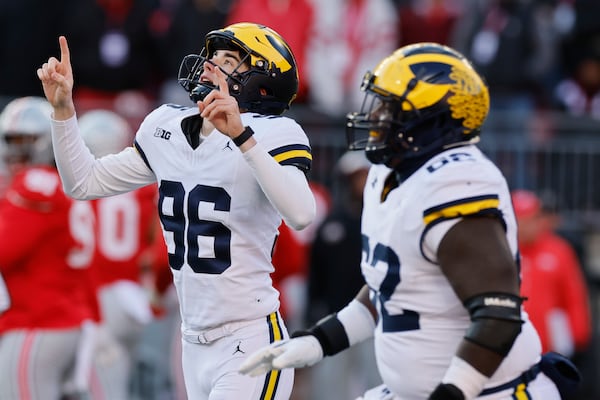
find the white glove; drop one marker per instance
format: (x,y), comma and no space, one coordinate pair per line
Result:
(298,352)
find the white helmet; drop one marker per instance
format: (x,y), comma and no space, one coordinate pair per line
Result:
(104,132)
(26,133)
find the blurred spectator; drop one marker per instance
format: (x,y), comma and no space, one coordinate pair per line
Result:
(347,36)
(513,47)
(428,20)
(586,16)
(292,19)
(116,57)
(579,92)
(28,29)
(554,285)
(336,248)
(126,226)
(190,21)
(47,326)
(335,257)
(553,280)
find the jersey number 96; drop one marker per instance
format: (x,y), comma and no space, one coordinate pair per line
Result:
(187,227)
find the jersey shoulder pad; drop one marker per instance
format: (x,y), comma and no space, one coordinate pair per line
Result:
(162,114)
(459,183)
(283,138)
(37,189)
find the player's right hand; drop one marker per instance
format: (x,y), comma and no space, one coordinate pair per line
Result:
(298,352)
(57,80)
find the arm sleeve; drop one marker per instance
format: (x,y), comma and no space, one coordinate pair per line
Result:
(84,177)
(286,187)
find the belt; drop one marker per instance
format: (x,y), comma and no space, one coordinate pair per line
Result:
(203,337)
(525,378)
(210,335)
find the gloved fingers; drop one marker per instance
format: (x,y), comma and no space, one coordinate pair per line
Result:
(261,361)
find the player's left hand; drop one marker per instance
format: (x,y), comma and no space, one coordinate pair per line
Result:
(220,108)
(298,352)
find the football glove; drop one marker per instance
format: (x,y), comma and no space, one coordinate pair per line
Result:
(298,352)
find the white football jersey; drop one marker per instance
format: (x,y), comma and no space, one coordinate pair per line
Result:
(218,224)
(421,320)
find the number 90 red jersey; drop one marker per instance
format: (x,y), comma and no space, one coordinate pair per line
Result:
(47,244)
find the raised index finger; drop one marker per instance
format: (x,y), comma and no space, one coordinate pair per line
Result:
(65,57)
(222,78)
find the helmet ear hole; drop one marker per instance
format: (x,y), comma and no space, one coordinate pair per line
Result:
(262,64)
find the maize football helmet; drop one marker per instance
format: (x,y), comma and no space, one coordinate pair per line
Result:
(420,100)
(26,132)
(271,83)
(105,132)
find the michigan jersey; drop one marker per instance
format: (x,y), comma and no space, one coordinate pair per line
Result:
(218,224)
(421,320)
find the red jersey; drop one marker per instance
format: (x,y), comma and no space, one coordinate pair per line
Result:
(125,228)
(553,280)
(47,244)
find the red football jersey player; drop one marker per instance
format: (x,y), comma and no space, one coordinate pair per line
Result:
(47,244)
(553,279)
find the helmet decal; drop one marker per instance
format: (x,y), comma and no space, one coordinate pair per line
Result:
(421,99)
(468,101)
(262,44)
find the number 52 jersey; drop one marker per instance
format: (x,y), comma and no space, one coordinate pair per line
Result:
(421,320)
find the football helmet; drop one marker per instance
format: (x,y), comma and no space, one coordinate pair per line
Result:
(26,132)
(105,132)
(421,99)
(271,83)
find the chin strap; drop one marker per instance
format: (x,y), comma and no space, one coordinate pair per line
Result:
(201,91)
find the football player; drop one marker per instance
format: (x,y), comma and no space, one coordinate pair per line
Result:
(228,169)
(47,244)
(439,246)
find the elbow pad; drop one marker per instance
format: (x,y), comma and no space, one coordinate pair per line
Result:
(495,321)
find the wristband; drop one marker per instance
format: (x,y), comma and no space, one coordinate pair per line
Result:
(243,137)
(465,377)
(338,331)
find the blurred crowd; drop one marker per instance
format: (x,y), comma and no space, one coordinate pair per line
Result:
(535,55)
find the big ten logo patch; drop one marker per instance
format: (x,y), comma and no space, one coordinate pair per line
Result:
(161,133)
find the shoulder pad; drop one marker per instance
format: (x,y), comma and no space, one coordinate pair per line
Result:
(38,189)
